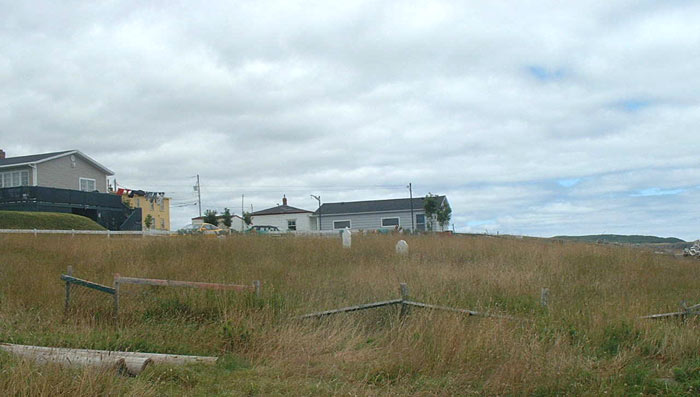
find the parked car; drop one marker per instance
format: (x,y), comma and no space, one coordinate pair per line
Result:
(204,228)
(264,229)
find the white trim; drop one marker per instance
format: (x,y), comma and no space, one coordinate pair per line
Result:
(35,175)
(80,182)
(342,220)
(381,221)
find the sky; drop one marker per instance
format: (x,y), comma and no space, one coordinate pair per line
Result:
(534,117)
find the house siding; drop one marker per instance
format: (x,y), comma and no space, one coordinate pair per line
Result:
(373,221)
(60,173)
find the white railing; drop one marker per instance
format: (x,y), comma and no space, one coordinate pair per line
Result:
(107,233)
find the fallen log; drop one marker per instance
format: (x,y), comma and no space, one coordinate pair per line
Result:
(132,363)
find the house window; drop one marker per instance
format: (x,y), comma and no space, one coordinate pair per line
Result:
(14,178)
(162,205)
(390,222)
(291,224)
(152,207)
(162,224)
(420,222)
(87,184)
(341,224)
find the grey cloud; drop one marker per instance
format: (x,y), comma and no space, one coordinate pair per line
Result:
(490,103)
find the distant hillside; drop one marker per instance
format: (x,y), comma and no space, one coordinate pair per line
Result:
(617,238)
(46,221)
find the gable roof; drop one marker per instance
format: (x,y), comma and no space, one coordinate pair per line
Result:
(40,158)
(280,209)
(355,207)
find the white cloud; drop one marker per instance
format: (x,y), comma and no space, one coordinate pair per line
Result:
(491,103)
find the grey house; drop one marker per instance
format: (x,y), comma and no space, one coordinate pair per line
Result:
(378,215)
(69,169)
(67,182)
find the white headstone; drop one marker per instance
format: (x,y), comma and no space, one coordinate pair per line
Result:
(402,247)
(347,239)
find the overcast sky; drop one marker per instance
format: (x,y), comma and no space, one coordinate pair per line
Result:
(533,117)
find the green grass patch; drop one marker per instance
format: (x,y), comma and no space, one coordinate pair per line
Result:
(46,221)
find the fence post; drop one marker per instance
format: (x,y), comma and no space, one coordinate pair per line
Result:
(34,232)
(72,232)
(544,297)
(109,234)
(404,297)
(116,298)
(256,284)
(69,272)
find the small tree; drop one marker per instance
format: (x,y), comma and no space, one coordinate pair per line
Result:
(430,205)
(247,218)
(444,214)
(210,217)
(227,218)
(148,221)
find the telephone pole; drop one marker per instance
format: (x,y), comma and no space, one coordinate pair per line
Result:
(410,194)
(199,196)
(318,198)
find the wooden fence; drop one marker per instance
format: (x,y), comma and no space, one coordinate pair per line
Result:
(118,280)
(405,306)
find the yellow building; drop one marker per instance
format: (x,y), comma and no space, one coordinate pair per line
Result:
(153,204)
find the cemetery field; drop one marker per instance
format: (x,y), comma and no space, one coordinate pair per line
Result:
(588,340)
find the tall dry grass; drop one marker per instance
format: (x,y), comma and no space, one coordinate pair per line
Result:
(589,341)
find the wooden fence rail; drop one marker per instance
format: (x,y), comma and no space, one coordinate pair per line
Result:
(405,304)
(685,311)
(118,280)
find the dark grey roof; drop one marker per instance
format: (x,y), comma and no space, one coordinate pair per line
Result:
(354,207)
(280,209)
(30,159)
(38,158)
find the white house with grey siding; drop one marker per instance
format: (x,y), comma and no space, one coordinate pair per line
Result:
(69,169)
(378,214)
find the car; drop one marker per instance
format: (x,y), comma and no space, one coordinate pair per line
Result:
(264,229)
(202,228)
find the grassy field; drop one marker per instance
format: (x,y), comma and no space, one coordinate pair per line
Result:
(589,342)
(46,221)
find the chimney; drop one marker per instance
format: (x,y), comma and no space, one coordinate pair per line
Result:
(284,200)
(2,154)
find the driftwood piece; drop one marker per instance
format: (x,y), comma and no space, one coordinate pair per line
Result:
(132,363)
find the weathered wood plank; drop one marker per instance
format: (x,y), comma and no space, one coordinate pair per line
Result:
(674,314)
(69,271)
(87,284)
(352,308)
(463,311)
(188,284)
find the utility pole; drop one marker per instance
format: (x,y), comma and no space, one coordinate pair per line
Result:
(243,225)
(318,198)
(410,194)
(199,196)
